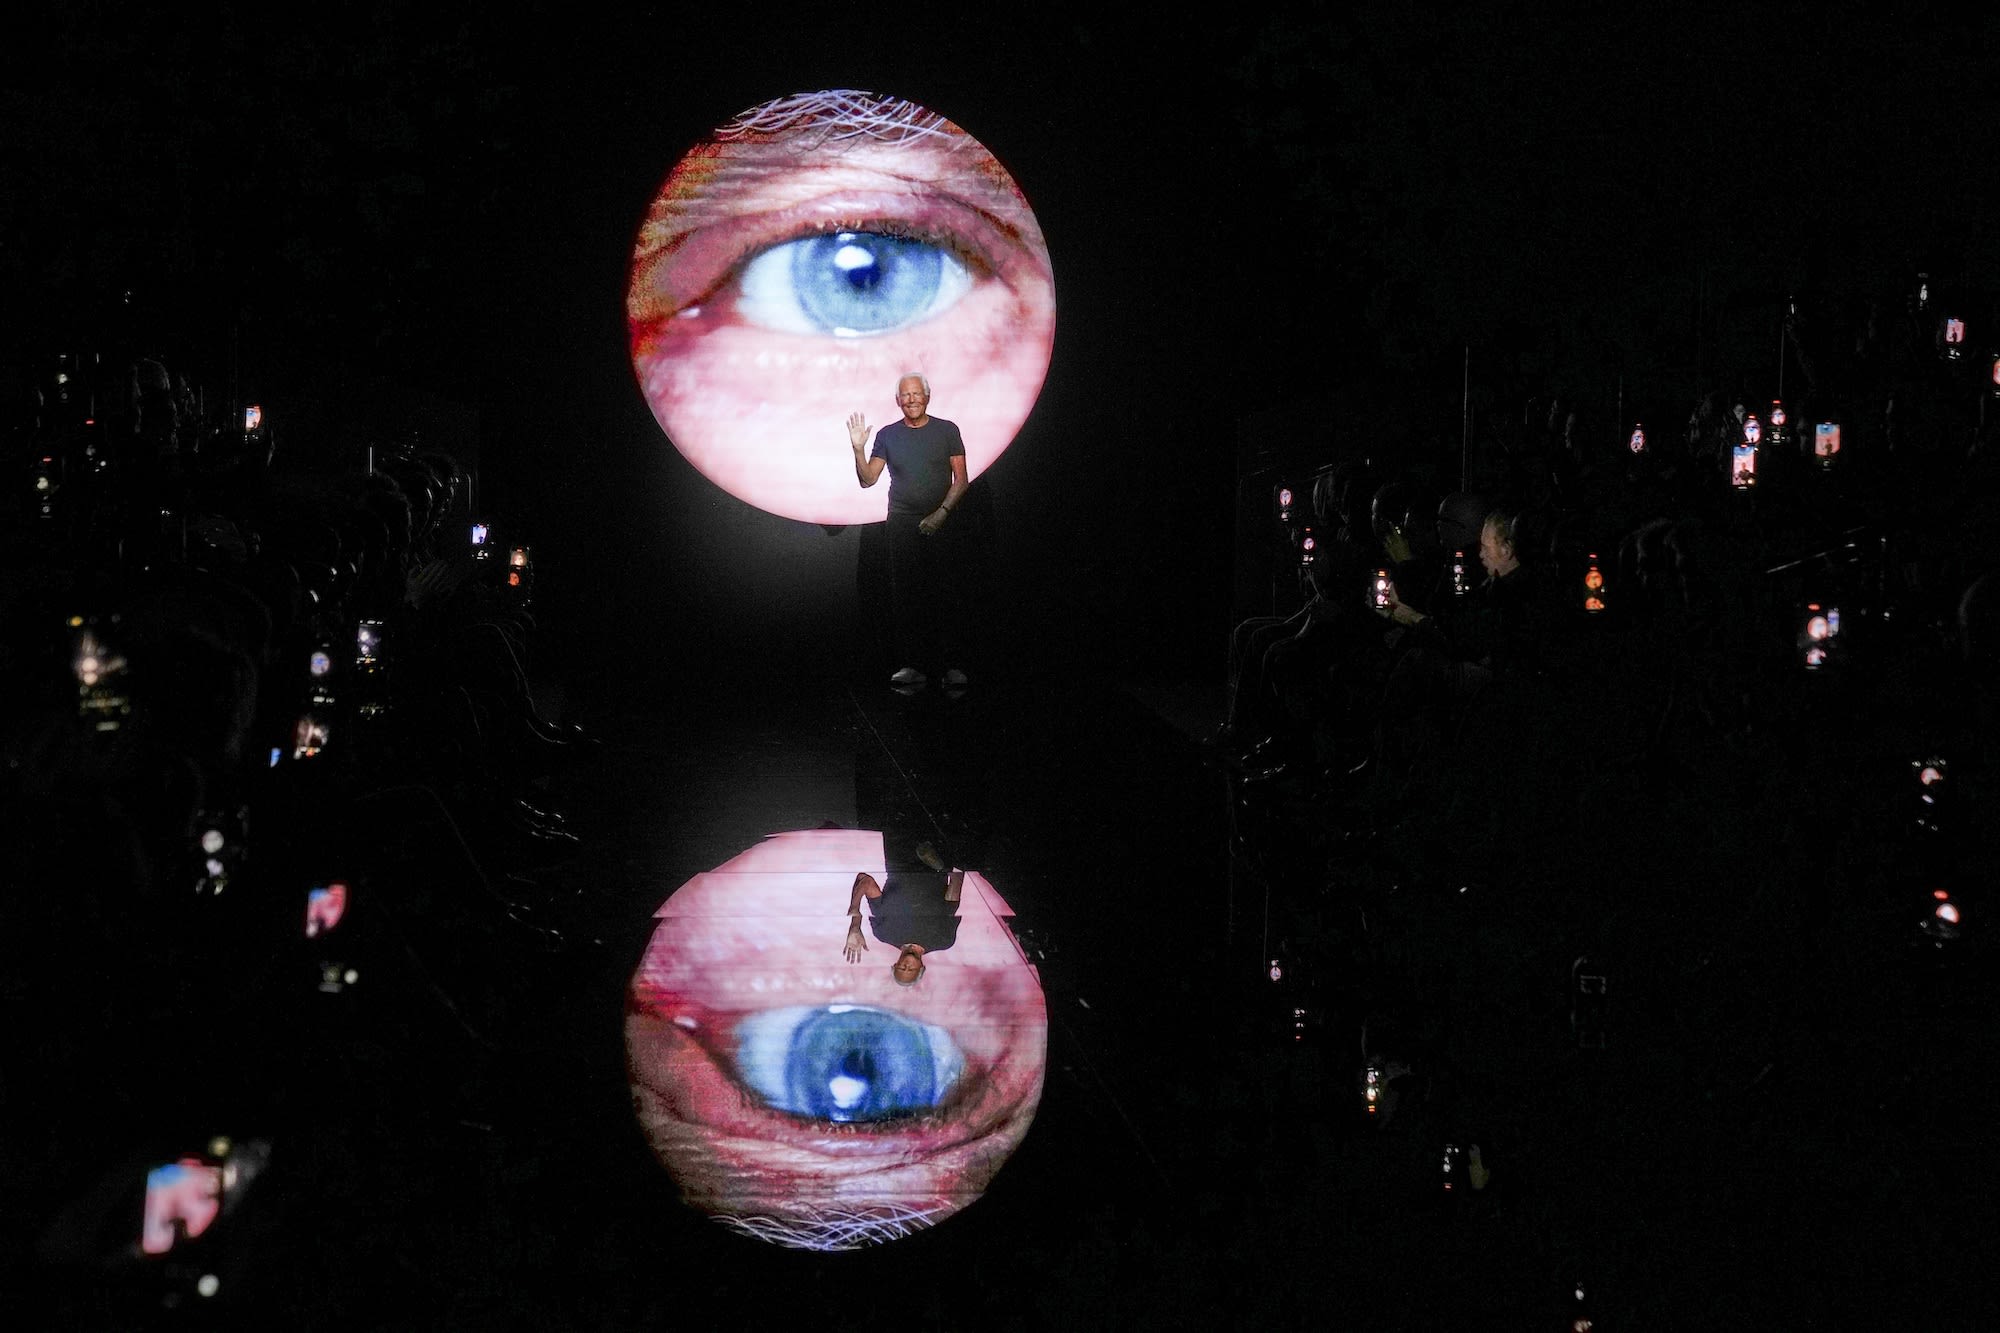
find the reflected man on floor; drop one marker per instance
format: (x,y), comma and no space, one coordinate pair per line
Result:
(914,913)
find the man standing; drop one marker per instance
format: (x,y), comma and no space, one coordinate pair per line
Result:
(926,462)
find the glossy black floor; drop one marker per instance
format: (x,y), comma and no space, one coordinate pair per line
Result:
(1771,1130)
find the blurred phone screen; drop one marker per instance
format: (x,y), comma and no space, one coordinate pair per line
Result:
(188,1192)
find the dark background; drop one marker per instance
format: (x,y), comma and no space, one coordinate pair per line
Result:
(1273,237)
(1295,221)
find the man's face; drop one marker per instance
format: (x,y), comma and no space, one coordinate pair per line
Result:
(1496,555)
(910,396)
(908,968)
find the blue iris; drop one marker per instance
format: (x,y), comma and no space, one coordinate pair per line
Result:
(860,282)
(846,1063)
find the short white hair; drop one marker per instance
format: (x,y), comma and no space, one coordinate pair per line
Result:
(913,375)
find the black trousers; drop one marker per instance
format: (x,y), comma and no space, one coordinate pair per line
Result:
(926,592)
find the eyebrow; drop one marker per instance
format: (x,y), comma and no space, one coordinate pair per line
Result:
(817,119)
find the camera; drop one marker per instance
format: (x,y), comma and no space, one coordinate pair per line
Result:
(1637,442)
(1743,465)
(183,1199)
(1826,442)
(1454,1167)
(368,644)
(46,479)
(102,701)
(319,678)
(1944,921)
(1780,431)
(1380,592)
(1593,587)
(1951,338)
(1822,630)
(1587,1004)
(219,848)
(1932,790)
(1308,549)
(309,736)
(325,905)
(1461,581)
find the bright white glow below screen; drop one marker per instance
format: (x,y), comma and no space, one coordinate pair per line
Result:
(802,259)
(815,1102)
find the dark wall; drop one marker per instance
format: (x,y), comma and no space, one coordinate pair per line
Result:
(1243,213)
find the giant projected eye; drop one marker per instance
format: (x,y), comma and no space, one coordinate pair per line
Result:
(817,1104)
(799,262)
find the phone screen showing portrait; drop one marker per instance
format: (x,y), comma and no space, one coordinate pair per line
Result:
(1743,466)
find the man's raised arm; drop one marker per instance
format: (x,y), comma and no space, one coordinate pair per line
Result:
(867,470)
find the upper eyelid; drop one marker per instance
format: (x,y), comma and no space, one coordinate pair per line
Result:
(688,248)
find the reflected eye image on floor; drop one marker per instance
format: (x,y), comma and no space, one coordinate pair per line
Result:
(805,1100)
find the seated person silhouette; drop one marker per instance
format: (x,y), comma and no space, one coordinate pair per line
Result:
(915,913)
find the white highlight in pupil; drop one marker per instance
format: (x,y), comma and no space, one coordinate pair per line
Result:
(847,1092)
(851,257)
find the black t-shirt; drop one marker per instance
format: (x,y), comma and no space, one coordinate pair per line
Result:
(919,462)
(913,910)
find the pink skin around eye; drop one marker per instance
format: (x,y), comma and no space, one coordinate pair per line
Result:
(764,932)
(762,412)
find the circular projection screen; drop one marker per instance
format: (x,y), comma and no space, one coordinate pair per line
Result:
(828,1091)
(806,256)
